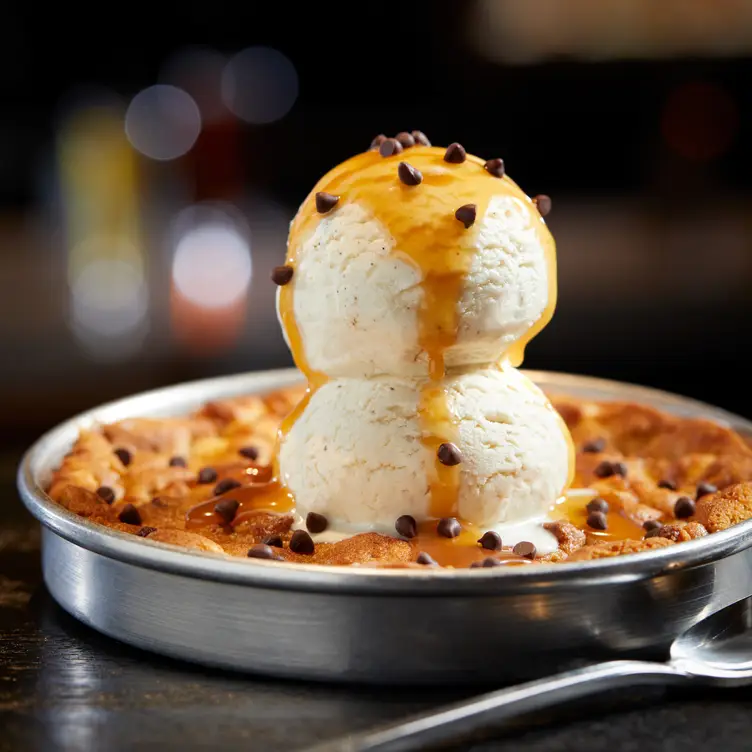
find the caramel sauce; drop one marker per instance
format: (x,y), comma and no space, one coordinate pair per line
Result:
(425,231)
(620,527)
(459,552)
(438,427)
(263,494)
(241,472)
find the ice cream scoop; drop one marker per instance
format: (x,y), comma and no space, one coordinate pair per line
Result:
(358,298)
(356,454)
(387,279)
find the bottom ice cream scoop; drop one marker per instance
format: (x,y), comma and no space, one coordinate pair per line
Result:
(356,452)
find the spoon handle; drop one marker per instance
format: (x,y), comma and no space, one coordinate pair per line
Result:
(434,727)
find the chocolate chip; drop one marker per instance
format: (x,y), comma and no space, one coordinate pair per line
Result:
(449,527)
(177,462)
(273,540)
(281,275)
(606,469)
(249,452)
(130,515)
(449,454)
(207,475)
(703,489)
(525,549)
(406,139)
(597,520)
(491,541)
(409,175)
(262,551)
(421,138)
(325,202)
(227,509)
(145,531)
(476,565)
(466,214)
(597,505)
(106,494)
(316,523)
(301,543)
(495,167)
(377,142)
(650,525)
(684,507)
(225,485)
(406,526)
(124,456)
(594,446)
(666,483)
(158,502)
(455,153)
(654,532)
(424,558)
(390,146)
(489,561)
(543,203)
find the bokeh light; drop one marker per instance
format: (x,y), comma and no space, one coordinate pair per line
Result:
(108,296)
(523,33)
(259,85)
(212,264)
(162,122)
(108,302)
(211,274)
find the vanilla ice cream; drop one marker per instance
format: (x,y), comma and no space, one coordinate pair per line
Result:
(355,454)
(357,298)
(414,279)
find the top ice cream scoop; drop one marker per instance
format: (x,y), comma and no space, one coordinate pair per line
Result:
(423,255)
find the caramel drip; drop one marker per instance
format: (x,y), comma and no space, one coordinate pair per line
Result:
(439,426)
(516,353)
(457,552)
(425,231)
(620,527)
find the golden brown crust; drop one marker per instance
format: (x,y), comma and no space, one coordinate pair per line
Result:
(84,503)
(610,549)
(154,465)
(360,549)
(682,531)
(725,508)
(183,538)
(636,430)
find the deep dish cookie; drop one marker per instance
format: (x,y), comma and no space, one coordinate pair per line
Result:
(652,480)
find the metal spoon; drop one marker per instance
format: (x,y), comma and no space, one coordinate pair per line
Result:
(715,651)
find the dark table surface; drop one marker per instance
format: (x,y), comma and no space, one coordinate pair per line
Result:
(65,687)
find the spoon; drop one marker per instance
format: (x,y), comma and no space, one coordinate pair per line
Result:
(715,651)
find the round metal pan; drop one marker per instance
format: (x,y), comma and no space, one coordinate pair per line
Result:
(375,625)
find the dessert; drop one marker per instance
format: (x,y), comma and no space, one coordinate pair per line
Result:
(415,276)
(132,477)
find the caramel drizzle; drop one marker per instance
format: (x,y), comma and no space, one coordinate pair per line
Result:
(421,220)
(619,525)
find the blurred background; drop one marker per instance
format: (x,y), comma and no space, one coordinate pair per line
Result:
(151,160)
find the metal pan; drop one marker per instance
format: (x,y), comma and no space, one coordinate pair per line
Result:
(377,626)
